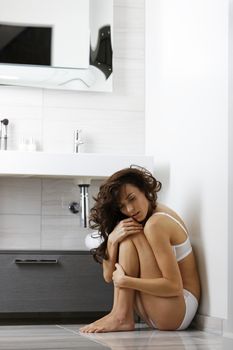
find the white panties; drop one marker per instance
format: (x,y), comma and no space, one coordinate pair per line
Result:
(191,305)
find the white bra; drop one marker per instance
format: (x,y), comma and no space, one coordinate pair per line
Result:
(183,249)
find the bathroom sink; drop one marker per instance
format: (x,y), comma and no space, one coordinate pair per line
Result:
(91,165)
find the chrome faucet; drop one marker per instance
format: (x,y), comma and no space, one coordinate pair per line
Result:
(3,134)
(77,140)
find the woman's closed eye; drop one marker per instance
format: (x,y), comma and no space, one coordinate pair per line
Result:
(131,198)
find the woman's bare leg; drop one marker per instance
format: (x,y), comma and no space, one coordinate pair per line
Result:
(166,313)
(122,315)
(140,311)
(104,318)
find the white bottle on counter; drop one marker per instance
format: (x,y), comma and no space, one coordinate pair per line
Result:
(31,146)
(23,144)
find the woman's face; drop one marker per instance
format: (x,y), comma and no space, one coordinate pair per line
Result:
(133,203)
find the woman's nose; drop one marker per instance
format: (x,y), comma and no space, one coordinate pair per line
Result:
(130,208)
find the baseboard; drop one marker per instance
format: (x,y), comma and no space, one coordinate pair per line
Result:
(15,318)
(208,324)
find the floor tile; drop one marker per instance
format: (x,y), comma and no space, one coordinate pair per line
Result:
(146,338)
(67,337)
(43,337)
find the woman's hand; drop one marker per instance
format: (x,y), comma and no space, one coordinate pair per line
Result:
(118,276)
(124,229)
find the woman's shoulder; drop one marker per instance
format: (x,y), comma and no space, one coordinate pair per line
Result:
(158,218)
(158,228)
(163,216)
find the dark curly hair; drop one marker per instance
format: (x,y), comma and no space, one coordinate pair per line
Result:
(105,214)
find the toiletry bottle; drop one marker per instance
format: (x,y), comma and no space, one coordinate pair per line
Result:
(23,144)
(31,145)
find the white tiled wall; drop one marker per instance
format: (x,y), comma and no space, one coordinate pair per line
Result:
(33,212)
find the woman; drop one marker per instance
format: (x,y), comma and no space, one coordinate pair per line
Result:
(147,254)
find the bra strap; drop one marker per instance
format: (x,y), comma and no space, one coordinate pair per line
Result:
(174,219)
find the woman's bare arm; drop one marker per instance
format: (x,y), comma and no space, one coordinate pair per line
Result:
(160,287)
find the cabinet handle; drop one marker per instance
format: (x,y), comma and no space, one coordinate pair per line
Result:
(36,261)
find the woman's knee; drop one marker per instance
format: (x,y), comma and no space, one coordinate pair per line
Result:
(141,242)
(127,250)
(126,245)
(132,241)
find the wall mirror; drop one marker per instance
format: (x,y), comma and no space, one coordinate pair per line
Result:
(57,44)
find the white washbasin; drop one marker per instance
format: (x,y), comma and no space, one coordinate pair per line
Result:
(92,165)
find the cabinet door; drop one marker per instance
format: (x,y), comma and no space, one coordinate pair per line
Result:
(52,283)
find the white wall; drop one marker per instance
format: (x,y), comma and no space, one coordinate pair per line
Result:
(186,127)
(33,213)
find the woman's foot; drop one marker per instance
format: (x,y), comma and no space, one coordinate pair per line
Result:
(110,323)
(100,320)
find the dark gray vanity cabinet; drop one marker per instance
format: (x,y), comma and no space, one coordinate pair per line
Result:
(52,282)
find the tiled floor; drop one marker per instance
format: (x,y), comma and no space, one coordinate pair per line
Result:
(66,337)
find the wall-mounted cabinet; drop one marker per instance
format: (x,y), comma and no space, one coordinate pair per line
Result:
(61,282)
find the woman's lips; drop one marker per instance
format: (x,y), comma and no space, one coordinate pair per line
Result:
(135,215)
